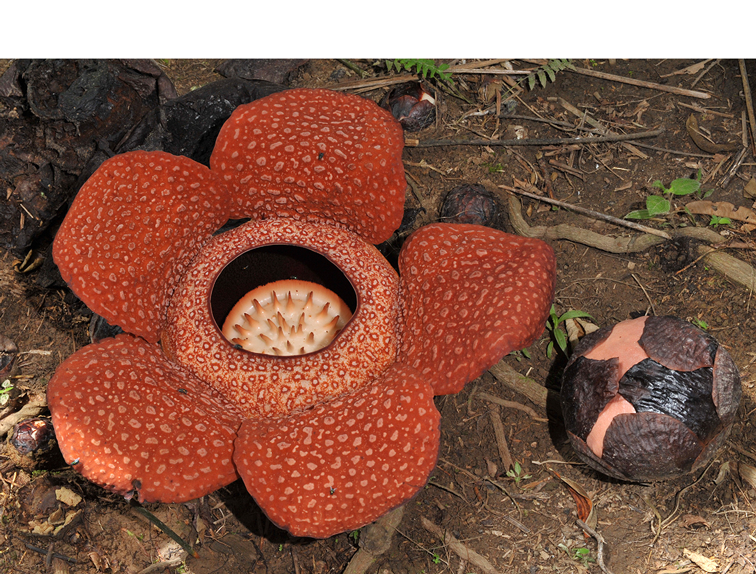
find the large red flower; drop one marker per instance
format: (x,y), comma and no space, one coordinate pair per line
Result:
(327,440)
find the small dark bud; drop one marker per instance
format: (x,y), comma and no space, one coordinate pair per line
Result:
(412,105)
(469,203)
(33,436)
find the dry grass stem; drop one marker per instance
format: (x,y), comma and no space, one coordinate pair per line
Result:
(640,83)
(590,213)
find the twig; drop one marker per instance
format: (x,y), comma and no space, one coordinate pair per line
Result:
(590,213)
(736,163)
(411,142)
(749,103)
(641,83)
(701,110)
(356,69)
(501,438)
(650,302)
(599,543)
(295,560)
(158,566)
(512,405)
(458,548)
(51,554)
(706,71)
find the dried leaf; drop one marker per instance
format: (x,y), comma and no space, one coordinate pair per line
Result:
(698,138)
(705,564)
(723,473)
(582,501)
(577,328)
(750,189)
(693,521)
(690,70)
(722,209)
(67,497)
(747,473)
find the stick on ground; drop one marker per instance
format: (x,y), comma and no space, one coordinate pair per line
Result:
(459,549)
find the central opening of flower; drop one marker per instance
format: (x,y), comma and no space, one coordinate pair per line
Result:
(282,300)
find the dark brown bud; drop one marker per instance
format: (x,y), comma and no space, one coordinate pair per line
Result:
(33,436)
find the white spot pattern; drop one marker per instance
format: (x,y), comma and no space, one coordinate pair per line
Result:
(470,295)
(150,431)
(340,484)
(131,231)
(269,386)
(315,155)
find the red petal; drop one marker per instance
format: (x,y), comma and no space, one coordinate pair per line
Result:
(471,294)
(344,463)
(315,155)
(133,228)
(127,419)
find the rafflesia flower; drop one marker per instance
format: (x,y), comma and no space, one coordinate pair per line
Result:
(320,393)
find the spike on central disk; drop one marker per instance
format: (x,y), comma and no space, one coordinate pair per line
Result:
(288,317)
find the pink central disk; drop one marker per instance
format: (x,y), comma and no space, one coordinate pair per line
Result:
(595,439)
(622,344)
(289,317)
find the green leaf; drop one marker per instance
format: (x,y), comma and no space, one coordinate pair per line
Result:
(550,73)
(656,205)
(660,185)
(561,339)
(542,77)
(572,314)
(684,186)
(549,349)
(716,220)
(531,81)
(638,214)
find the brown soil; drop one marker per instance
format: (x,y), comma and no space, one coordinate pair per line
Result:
(532,527)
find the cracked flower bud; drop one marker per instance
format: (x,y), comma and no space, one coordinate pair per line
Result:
(652,398)
(412,105)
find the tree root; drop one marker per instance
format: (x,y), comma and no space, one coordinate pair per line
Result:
(733,268)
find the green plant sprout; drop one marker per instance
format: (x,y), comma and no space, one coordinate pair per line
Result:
(660,205)
(716,221)
(583,555)
(700,323)
(516,473)
(355,536)
(558,335)
(424,68)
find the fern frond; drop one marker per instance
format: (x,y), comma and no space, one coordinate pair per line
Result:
(421,67)
(547,73)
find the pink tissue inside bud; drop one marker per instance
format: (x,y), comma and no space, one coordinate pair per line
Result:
(616,406)
(622,344)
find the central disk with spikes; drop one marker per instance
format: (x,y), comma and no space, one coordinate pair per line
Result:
(288,317)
